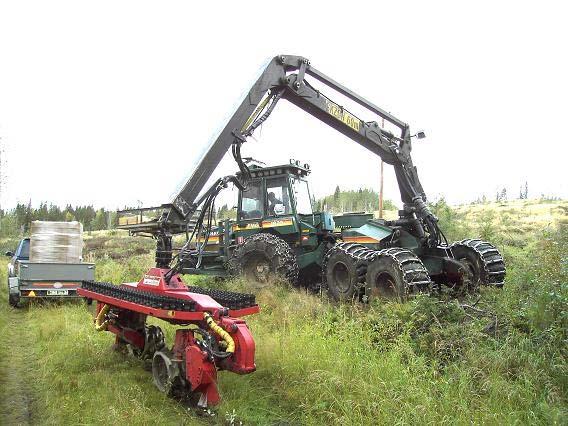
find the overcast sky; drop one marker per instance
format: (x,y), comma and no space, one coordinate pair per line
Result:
(111,103)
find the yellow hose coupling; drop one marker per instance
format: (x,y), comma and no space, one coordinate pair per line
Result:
(101,325)
(226,337)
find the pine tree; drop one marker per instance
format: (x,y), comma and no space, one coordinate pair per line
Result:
(100,221)
(29,216)
(336,194)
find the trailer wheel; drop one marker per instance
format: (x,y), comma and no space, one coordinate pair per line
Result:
(262,256)
(396,273)
(344,271)
(14,300)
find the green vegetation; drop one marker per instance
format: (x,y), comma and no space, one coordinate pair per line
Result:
(17,222)
(362,200)
(498,357)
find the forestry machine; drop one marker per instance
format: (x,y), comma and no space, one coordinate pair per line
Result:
(352,256)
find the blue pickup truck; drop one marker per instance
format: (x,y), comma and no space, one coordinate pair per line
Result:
(46,280)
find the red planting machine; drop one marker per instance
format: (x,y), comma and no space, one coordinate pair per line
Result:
(215,338)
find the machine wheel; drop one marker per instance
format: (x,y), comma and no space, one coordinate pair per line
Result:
(483,262)
(344,269)
(396,273)
(154,341)
(165,372)
(263,255)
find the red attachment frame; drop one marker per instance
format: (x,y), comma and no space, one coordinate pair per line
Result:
(195,362)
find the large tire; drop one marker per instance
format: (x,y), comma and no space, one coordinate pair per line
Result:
(344,269)
(263,255)
(396,273)
(483,262)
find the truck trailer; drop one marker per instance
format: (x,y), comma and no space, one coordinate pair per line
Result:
(48,264)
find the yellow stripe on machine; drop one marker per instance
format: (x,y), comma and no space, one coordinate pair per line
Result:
(272,223)
(213,239)
(246,226)
(277,222)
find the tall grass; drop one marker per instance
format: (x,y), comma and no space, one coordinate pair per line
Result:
(497,360)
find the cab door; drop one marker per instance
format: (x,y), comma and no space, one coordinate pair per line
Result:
(250,212)
(280,217)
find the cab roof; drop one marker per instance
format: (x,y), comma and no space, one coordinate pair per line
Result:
(293,168)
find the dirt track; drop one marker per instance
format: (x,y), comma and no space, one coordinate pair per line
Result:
(17,400)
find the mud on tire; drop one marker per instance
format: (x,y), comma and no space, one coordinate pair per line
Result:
(262,255)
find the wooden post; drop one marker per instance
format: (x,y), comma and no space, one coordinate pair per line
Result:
(381,184)
(381,192)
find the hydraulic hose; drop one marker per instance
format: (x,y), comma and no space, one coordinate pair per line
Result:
(101,325)
(222,333)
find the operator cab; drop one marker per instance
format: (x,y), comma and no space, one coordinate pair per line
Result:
(276,191)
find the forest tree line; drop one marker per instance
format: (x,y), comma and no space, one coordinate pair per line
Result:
(361,200)
(17,221)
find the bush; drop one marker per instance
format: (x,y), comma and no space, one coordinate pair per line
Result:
(451,222)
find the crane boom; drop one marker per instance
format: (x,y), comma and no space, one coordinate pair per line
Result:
(285,76)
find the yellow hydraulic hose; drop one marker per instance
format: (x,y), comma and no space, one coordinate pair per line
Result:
(101,325)
(222,333)
(255,114)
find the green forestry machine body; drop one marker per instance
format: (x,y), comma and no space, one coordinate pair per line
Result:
(276,231)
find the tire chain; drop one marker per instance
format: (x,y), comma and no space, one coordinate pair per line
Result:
(493,263)
(288,265)
(357,252)
(415,276)
(414,273)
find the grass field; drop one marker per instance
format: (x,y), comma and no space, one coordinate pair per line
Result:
(432,360)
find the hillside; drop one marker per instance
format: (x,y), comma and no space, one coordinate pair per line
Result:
(498,357)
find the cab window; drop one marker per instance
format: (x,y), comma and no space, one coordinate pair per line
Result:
(302,196)
(251,202)
(277,197)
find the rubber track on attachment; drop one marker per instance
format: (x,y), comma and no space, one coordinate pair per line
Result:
(227,299)
(493,263)
(140,297)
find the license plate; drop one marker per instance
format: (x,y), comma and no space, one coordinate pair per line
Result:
(57,292)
